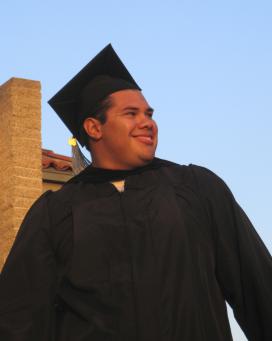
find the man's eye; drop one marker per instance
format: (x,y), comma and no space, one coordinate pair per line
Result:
(131,113)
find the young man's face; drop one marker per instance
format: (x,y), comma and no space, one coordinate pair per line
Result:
(130,135)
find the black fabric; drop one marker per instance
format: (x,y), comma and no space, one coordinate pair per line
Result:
(154,263)
(98,175)
(102,76)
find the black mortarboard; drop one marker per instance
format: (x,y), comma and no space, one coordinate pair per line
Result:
(102,76)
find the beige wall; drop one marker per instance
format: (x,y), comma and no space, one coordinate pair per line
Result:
(20,155)
(53,179)
(51,186)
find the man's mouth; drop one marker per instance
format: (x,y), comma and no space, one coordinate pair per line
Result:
(147,139)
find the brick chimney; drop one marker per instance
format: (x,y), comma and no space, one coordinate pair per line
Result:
(20,155)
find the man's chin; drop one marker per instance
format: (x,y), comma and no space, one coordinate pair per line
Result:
(146,159)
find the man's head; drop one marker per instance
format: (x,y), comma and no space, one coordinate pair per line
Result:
(125,134)
(104,109)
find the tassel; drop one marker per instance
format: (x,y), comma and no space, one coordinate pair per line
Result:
(79,160)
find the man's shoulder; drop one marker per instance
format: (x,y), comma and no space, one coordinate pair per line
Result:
(70,193)
(190,171)
(196,176)
(59,203)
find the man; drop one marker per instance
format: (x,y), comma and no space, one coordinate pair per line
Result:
(134,247)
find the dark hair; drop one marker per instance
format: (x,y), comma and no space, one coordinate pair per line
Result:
(100,113)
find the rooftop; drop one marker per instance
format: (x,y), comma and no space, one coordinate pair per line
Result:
(56,167)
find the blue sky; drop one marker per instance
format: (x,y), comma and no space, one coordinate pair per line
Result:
(205,66)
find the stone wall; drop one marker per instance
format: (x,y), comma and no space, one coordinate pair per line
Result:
(20,155)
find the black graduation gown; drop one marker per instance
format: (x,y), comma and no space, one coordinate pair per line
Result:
(154,263)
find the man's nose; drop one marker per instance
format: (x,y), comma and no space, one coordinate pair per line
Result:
(146,122)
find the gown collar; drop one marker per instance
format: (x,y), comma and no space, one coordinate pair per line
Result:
(100,175)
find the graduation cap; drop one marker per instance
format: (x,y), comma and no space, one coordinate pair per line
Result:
(77,100)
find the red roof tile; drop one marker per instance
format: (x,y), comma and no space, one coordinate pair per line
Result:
(57,161)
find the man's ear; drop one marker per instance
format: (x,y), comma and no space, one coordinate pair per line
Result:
(92,127)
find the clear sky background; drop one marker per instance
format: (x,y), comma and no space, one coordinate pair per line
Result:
(205,66)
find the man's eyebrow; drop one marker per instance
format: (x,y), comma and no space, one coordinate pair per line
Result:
(149,109)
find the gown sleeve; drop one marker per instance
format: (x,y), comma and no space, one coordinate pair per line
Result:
(243,264)
(28,280)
